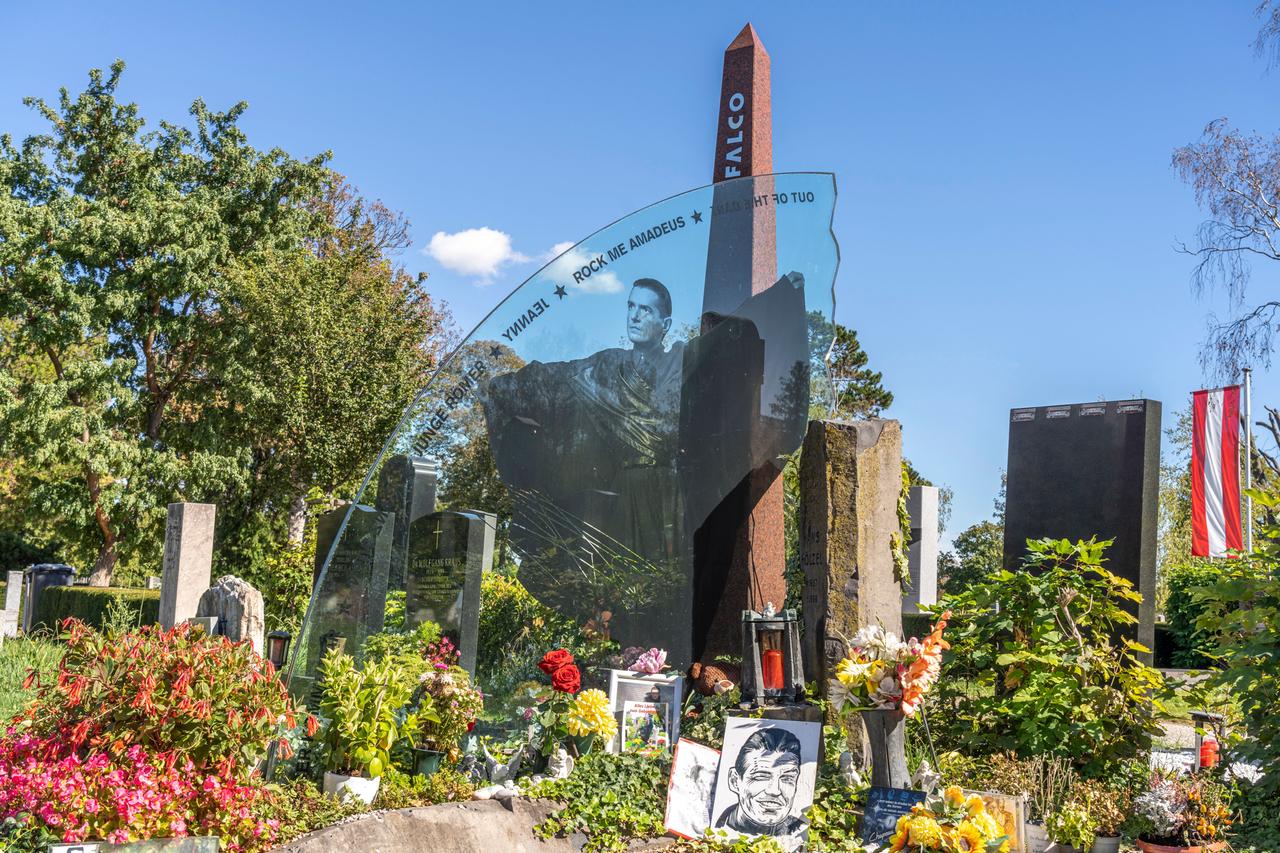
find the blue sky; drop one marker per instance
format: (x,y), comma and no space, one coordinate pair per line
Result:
(1007,214)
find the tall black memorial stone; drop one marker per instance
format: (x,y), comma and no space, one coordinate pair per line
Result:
(1089,469)
(406,487)
(449,553)
(353,597)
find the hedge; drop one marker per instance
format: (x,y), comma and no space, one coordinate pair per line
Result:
(89,604)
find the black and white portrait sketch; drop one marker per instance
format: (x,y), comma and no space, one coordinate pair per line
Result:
(766,778)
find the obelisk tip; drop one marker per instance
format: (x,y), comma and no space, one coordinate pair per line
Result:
(747,38)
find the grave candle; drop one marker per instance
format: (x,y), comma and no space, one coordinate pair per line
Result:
(771,666)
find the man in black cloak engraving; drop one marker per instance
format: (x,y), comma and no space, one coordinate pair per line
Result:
(589,449)
(613,460)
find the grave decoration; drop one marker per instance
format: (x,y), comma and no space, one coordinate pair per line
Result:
(772,673)
(947,822)
(885,679)
(646,703)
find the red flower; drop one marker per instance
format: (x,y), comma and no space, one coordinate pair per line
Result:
(566,679)
(552,661)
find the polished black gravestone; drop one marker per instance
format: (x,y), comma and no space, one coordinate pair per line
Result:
(449,554)
(1089,469)
(353,598)
(406,487)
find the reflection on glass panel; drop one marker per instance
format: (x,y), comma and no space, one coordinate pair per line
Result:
(598,417)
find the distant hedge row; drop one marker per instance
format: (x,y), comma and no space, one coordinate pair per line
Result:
(89,604)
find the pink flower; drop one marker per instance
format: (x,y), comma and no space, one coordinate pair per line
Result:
(651,661)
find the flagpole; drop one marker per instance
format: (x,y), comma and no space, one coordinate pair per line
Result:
(1248,457)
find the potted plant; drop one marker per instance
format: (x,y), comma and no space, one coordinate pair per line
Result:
(1107,807)
(1182,814)
(365,710)
(446,689)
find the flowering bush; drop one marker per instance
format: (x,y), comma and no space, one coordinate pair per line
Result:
(205,699)
(455,703)
(128,795)
(1183,811)
(881,672)
(951,823)
(556,717)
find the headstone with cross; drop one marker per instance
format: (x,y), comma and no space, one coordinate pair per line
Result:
(448,554)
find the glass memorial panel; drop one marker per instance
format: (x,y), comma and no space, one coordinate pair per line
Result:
(603,410)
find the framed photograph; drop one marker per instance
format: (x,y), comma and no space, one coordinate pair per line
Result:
(768,770)
(1010,812)
(693,780)
(645,728)
(627,687)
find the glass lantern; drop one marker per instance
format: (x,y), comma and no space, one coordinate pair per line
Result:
(772,672)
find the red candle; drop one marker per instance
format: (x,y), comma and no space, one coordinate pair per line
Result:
(771,663)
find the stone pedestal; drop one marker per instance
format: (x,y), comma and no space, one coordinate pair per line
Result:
(238,608)
(922,556)
(850,480)
(188,560)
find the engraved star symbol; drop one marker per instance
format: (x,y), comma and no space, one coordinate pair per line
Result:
(495,351)
(560,292)
(697,216)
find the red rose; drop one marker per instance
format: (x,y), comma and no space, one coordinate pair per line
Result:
(552,661)
(566,679)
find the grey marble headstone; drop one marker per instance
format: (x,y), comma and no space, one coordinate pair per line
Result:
(153,582)
(922,555)
(450,552)
(188,560)
(352,599)
(407,487)
(13,592)
(8,623)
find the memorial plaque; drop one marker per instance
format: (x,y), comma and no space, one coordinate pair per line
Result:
(884,807)
(406,487)
(450,553)
(352,599)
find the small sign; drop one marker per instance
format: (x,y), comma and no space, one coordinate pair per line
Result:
(884,807)
(1131,407)
(1088,410)
(82,847)
(1021,415)
(1055,412)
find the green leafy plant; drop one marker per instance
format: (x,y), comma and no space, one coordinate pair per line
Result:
(1241,615)
(92,604)
(365,713)
(18,659)
(404,791)
(410,650)
(215,702)
(611,799)
(298,807)
(1035,667)
(1191,644)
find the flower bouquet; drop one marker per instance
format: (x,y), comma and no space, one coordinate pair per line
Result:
(559,717)
(950,823)
(446,688)
(1182,813)
(882,673)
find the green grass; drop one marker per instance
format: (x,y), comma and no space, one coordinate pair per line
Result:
(17,657)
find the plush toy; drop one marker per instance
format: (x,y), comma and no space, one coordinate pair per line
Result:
(714,678)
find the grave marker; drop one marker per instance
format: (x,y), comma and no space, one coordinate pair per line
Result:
(406,487)
(450,553)
(188,560)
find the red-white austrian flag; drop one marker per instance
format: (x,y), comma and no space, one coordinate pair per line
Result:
(1215,472)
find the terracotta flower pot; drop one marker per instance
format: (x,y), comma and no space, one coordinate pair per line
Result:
(1149,847)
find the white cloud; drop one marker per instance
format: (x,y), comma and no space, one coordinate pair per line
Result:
(569,259)
(475,252)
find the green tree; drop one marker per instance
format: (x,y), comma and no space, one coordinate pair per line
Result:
(977,551)
(117,245)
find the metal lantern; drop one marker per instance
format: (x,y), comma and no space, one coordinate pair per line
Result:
(772,672)
(278,648)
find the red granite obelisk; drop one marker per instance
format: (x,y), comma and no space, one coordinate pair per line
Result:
(741,547)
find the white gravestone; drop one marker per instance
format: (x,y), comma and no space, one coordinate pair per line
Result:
(188,561)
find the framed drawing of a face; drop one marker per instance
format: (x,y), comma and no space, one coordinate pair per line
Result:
(768,770)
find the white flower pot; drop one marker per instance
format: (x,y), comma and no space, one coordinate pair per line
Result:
(358,788)
(1106,844)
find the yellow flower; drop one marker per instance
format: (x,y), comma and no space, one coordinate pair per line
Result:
(976,805)
(970,837)
(954,796)
(900,834)
(590,714)
(924,832)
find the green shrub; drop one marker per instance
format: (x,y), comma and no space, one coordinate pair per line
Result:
(1191,645)
(284,579)
(90,604)
(611,799)
(16,553)
(404,791)
(17,658)
(1034,668)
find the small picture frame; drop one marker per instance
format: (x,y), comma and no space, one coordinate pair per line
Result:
(646,728)
(690,789)
(625,686)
